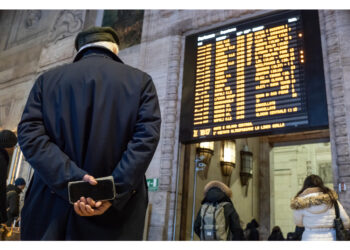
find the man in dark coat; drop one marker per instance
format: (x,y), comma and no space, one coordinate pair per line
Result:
(216,192)
(93,118)
(13,192)
(7,141)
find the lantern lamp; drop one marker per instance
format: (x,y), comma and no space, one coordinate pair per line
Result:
(205,151)
(228,157)
(246,165)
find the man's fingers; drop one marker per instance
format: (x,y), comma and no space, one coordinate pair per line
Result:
(91,202)
(90,179)
(98,204)
(82,199)
(76,209)
(103,208)
(89,209)
(83,208)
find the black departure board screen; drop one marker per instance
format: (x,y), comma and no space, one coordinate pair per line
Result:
(263,76)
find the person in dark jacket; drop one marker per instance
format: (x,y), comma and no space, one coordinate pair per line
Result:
(297,234)
(276,234)
(218,192)
(92,118)
(251,232)
(7,141)
(13,192)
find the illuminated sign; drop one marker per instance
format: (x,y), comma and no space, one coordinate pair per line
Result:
(259,77)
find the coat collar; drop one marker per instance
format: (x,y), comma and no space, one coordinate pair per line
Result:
(312,197)
(96,50)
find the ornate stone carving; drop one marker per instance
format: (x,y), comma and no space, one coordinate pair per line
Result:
(4,113)
(67,23)
(28,25)
(32,19)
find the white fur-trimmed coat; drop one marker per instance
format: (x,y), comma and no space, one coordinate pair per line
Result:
(314,211)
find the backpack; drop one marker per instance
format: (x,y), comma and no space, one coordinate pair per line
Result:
(213,222)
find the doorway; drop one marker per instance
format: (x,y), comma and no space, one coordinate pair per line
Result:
(289,165)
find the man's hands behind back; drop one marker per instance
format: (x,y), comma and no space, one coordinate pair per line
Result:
(89,207)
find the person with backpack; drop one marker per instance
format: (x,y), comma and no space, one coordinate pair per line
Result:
(217,218)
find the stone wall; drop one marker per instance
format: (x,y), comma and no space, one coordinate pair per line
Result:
(32,41)
(335,33)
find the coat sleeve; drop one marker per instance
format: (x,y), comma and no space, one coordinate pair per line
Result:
(54,167)
(344,216)
(139,152)
(298,217)
(234,222)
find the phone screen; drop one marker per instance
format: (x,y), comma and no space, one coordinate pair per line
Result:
(104,190)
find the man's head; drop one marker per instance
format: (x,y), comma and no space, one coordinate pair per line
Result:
(20,183)
(8,139)
(98,36)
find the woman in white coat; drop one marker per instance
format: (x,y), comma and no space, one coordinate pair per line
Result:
(313,209)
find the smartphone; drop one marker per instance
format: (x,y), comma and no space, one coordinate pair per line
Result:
(104,190)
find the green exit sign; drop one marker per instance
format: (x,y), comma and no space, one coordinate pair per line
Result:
(152,184)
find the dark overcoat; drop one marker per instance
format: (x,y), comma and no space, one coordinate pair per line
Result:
(94,116)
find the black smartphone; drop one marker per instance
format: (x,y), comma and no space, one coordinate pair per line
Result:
(104,190)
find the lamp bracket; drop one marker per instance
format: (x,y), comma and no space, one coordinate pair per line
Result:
(201,165)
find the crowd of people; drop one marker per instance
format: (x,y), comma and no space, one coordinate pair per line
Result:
(313,211)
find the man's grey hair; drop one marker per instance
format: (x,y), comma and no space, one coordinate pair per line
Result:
(109,45)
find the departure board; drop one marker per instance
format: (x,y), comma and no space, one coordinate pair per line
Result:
(254,78)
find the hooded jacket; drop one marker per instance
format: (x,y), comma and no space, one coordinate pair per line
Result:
(217,192)
(314,211)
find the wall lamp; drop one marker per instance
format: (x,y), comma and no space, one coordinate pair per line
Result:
(205,151)
(227,157)
(246,165)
